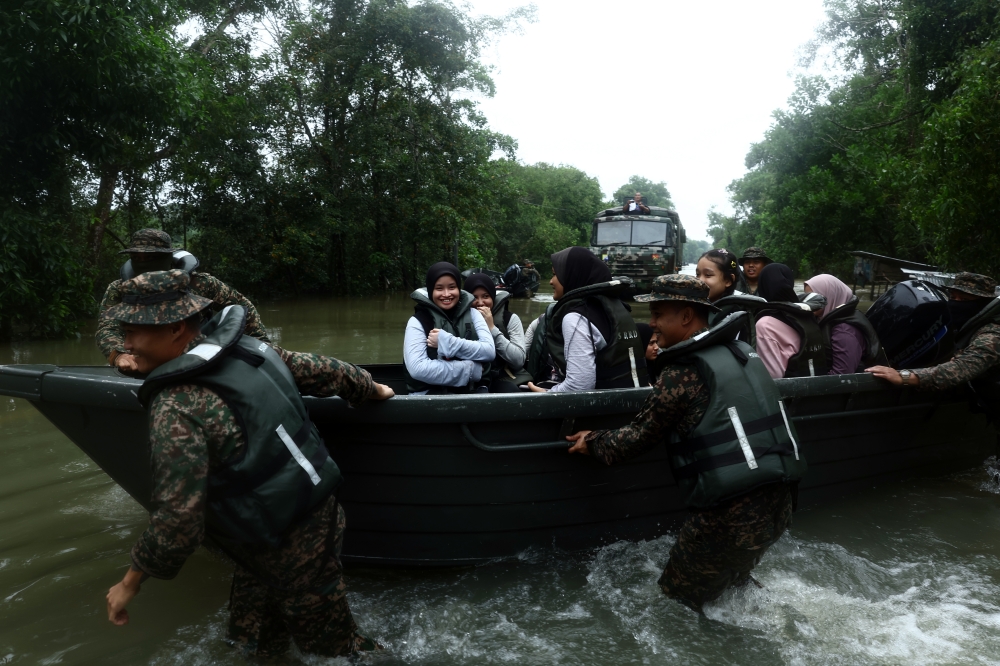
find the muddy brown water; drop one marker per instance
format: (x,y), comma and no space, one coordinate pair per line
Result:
(905,573)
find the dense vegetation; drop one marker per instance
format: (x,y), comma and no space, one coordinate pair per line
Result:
(898,154)
(328,146)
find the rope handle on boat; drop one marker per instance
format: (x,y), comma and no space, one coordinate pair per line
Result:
(511,447)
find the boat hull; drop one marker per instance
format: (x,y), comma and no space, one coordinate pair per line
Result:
(451,480)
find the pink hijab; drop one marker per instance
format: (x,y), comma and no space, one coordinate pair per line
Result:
(836,292)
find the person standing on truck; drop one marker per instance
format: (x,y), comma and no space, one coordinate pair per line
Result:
(635,206)
(236,458)
(732,450)
(753,261)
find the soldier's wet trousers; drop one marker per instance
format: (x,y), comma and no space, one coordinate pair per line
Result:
(264,619)
(718,547)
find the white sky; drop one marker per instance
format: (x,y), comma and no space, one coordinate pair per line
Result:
(670,90)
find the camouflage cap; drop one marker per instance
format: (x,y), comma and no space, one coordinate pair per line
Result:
(678,288)
(975,284)
(754,253)
(149,240)
(158,297)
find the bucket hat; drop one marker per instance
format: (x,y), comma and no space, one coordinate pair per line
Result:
(975,284)
(754,253)
(149,240)
(684,288)
(157,298)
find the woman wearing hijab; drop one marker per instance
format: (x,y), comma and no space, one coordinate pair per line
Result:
(851,340)
(587,339)
(506,329)
(648,342)
(446,341)
(778,338)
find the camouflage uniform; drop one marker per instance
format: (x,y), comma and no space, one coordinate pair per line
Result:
(717,547)
(975,359)
(110,334)
(295,591)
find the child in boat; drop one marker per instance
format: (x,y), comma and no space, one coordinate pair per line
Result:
(507,332)
(447,341)
(648,341)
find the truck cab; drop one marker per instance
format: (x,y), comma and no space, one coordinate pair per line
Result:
(640,246)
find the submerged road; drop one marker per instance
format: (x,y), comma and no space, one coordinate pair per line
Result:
(907,573)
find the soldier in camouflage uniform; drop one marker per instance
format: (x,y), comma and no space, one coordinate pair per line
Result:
(970,294)
(150,251)
(292,591)
(753,261)
(717,546)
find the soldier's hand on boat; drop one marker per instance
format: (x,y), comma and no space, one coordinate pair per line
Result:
(487,315)
(120,595)
(891,375)
(536,389)
(381,392)
(126,363)
(579,440)
(432,337)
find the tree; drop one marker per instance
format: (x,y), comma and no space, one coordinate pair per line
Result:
(654,194)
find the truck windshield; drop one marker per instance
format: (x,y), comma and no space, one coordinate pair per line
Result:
(614,232)
(632,233)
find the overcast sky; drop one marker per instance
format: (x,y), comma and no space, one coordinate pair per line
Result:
(670,90)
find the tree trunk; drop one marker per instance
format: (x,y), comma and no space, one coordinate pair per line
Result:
(102,211)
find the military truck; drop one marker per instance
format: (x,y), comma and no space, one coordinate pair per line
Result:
(640,246)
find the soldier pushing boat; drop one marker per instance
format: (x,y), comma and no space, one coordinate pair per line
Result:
(732,449)
(236,458)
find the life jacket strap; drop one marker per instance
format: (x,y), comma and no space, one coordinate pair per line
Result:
(737,457)
(694,444)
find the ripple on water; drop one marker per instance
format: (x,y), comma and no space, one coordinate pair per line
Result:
(113,504)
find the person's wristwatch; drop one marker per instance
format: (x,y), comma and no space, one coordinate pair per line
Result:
(905,374)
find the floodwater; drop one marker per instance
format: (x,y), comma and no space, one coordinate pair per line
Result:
(905,573)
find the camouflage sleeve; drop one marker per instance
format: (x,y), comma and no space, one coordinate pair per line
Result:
(222,294)
(182,422)
(110,334)
(982,354)
(325,376)
(677,402)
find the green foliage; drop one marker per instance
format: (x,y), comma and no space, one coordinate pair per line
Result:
(894,158)
(694,249)
(654,194)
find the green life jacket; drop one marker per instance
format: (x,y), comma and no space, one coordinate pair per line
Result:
(284,470)
(985,388)
(430,317)
(812,359)
(621,364)
(745,439)
(740,303)
(848,314)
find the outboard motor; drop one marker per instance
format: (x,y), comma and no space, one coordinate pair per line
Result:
(511,276)
(911,321)
(181,260)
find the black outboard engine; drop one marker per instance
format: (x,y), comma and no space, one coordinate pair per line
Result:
(511,276)
(911,321)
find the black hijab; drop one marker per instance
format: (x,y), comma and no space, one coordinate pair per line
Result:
(777,284)
(645,333)
(477,280)
(435,272)
(577,267)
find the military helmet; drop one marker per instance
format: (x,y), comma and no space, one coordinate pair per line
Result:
(157,298)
